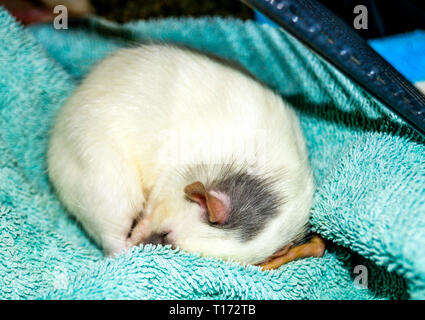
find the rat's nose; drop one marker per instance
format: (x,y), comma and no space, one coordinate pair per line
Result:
(156,238)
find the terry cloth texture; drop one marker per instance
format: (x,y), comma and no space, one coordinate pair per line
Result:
(369,169)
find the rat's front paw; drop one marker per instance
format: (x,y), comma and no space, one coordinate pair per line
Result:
(140,230)
(119,241)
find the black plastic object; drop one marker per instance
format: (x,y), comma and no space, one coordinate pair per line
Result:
(335,41)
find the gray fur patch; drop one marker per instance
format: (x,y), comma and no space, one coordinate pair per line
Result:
(253,200)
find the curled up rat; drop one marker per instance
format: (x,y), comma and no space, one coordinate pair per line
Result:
(162,144)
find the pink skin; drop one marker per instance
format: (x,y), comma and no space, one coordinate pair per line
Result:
(141,231)
(28,12)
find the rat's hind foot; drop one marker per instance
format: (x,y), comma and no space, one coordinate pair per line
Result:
(315,247)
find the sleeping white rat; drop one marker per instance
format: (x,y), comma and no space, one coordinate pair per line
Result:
(162,144)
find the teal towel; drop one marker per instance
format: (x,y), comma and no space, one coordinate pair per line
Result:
(369,169)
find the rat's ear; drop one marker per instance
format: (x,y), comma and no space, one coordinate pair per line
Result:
(217,205)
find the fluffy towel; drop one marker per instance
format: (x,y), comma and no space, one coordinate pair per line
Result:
(369,169)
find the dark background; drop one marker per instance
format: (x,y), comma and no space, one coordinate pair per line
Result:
(385,17)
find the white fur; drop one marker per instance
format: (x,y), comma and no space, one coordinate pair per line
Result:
(141,117)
